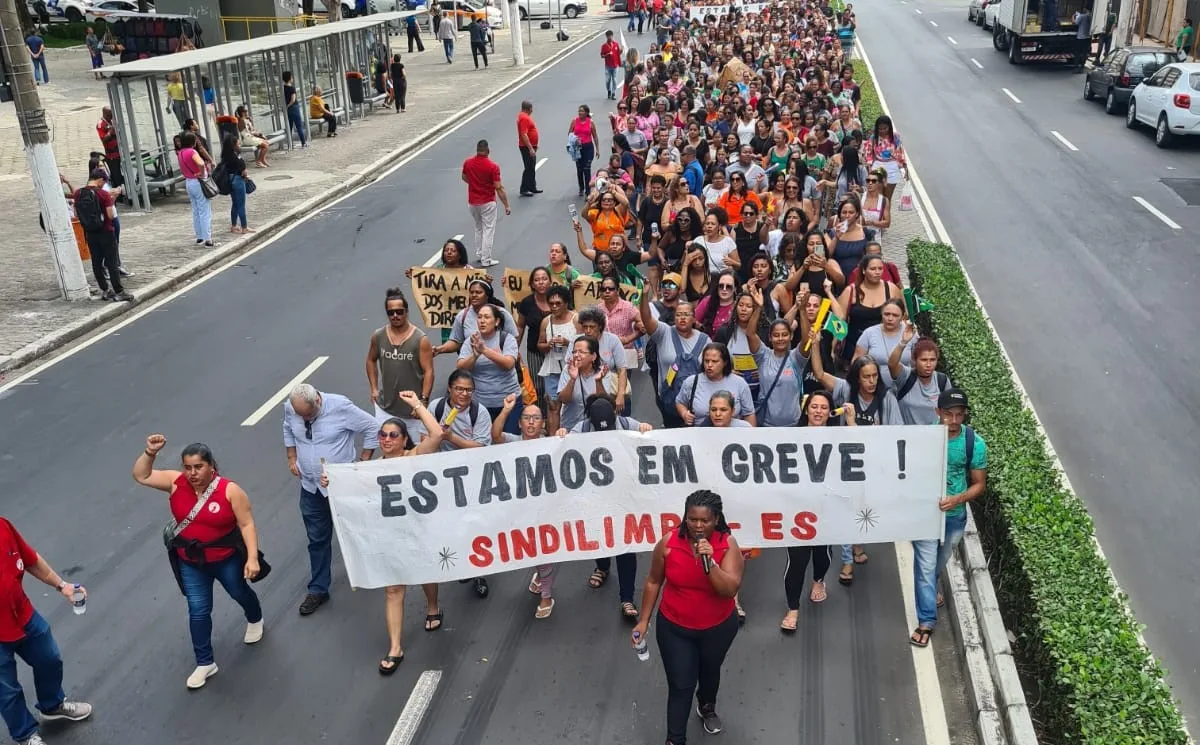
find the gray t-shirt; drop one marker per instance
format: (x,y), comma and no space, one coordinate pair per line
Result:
(732,423)
(492,382)
(572,412)
(889,410)
(479,430)
(756,177)
(705,388)
(637,140)
(467,323)
(879,346)
(662,337)
(919,404)
(782,408)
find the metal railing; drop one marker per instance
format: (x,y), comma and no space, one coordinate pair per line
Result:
(250,27)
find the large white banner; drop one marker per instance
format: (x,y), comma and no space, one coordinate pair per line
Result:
(449,516)
(700,12)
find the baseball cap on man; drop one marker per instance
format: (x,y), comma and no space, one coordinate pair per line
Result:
(602,415)
(674,278)
(952,397)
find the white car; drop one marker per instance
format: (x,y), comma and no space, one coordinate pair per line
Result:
(105,8)
(1169,101)
(991,12)
(551,8)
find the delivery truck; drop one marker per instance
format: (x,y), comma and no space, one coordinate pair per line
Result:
(1041,30)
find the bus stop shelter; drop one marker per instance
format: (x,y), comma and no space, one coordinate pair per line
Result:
(245,72)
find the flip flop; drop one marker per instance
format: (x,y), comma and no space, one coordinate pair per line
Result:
(817,594)
(544,613)
(783,625)
(860,557)
(920,637)
(385,669)
(434,618)
(846,576)
(535,587)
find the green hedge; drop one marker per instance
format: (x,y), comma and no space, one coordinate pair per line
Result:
(1077,643)
(74,31)
(869,108)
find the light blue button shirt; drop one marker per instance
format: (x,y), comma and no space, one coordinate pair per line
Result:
(333,432)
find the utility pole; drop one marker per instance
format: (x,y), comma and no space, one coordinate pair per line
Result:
(35,131)
(514,21)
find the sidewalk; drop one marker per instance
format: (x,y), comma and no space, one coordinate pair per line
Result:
(158,245)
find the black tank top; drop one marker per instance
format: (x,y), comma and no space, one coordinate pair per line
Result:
(860,318)
(748,244)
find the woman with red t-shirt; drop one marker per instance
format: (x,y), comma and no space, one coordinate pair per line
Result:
(217,541)
(697,570)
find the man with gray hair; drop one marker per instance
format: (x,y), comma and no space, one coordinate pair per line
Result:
(322,426)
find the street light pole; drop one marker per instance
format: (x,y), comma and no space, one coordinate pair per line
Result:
(514,21)
(35,131)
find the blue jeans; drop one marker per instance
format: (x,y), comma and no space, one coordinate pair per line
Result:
(448,45)
(198,587)
(40,651)
(610,80)
(297,122)
(632,17)
(201,210)
(318,523)
(929,560)
(40,73)
(512,424)
(237,213)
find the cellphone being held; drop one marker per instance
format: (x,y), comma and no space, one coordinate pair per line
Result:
(573,211)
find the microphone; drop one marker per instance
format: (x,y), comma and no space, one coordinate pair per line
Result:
(704,558)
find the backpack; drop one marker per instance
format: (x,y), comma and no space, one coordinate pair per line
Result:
(969,448)
(684,366)
(89,210)
(639,167)
(221,177)
(440,409)
(623,424)
(665,315)
(868,416)
(943,382)
(528,392)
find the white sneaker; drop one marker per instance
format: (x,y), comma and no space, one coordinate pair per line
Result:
(254,633)
(201,675)
(488,262)
(34,739)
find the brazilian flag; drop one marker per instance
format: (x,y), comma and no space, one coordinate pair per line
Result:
(836,326)
(914,303)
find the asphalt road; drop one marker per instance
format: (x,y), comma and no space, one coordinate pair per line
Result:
(1091,293)
(197,366)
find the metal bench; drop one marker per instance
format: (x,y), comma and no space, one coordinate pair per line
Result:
(165,184)
(320,123)
(379,99)
(274,139)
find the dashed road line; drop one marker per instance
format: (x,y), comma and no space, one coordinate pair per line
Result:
(976,63)
(918,10)
(951,40)
(1011,95)
(540,163)
(933,23)
(1158,213)
(1065,142)
(415,708)
(282,393)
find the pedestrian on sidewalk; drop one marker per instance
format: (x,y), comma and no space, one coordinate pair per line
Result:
(447,31)
(479,41)
(37,54)
(482,177)
(106,128)
(966,479)
(95,212)
(194,168)
(1105,43)
(96,162)
(322,427)
(96,51)
(26,634)
(239,182)
(399,82)
(1183,40)
(414,34)
(610,52)
(1083,36)
(291,101)
(318,109)
(211,537)
(527,140)
(177,94)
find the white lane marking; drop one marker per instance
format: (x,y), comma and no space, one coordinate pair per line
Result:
(933,23)
(437,255)
(282,393)
(951,40)
(1065,142)
(540,163)
(1011,95)
(1158,213)
(976,63)
(918,10)
(414,709)
(933,707)
(435,136)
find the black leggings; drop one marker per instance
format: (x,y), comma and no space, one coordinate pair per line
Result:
(479,49)
(692,661)
(793,576)
(399,92)
(583,166)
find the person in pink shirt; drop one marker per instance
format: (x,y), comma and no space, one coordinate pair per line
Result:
(610,52)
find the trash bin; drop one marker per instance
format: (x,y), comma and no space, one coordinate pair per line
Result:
(80,240)
(354,82)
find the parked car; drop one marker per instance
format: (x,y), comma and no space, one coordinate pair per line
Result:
(1169,101)
(105,8)
(464,12)
(551,8)
(991,9)
(619,6)
(974,10)
(1120,72)
(73,10)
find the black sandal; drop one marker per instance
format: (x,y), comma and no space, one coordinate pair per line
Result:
(432,618)
(385,668)
(920,637)
(629,612)
(598,578)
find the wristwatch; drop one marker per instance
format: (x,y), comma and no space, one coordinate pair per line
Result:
(61,585)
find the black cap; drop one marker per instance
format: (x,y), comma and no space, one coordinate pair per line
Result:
(952,397)
(99,173)
(602,415)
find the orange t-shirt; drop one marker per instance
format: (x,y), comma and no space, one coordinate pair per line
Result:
(604,226)
(732,204)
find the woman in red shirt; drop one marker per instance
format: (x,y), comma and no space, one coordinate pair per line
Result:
(207,548)
(697,570)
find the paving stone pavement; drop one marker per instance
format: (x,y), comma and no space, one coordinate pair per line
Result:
(155,244)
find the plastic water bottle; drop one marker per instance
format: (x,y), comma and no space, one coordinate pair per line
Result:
(78,602)
(641,647)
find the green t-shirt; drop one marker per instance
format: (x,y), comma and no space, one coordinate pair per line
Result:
(957,478)
(1183,40)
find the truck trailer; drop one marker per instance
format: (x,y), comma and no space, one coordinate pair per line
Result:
(1041,30)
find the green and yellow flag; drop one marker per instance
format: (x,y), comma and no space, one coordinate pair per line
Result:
(914,303)
(836,326)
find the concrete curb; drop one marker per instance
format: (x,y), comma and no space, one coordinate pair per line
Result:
(997,699)
(183,275)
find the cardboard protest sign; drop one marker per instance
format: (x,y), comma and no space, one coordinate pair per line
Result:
(442,293)
(516,288)
(588,292)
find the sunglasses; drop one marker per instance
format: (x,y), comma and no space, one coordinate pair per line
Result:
(672,285)
(388,435)
(608,289)
(397,312)
(749,213)
(725,286)
(872,181)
